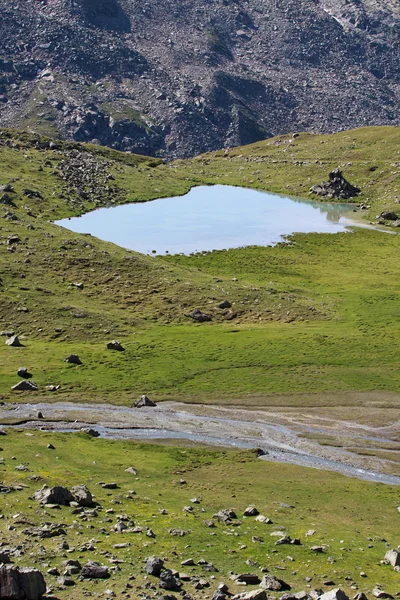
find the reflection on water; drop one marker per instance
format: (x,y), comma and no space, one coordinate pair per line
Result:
(207,218)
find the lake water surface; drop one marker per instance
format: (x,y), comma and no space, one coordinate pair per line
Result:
(210,218)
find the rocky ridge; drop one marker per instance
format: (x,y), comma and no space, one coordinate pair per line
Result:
(180,78)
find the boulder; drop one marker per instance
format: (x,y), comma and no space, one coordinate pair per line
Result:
(143,401)
(82,495)
(393,557)
(54,495)
(25,386)
(154,565)
(336,187)
(168,581)
(73,359)
(199,316)
(250,511)
(381,594)
(225,304)
(131,470)
(92,570)
(13,239)
(335,594)
(23,372)
(21,583)
(253,595)
(248,578)
(225,515)
(114,345)
(389,215)
(269,582)
(90,431)
(13,341)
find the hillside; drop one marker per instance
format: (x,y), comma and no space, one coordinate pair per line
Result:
(177,78)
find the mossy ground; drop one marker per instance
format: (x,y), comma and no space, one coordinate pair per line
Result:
(355,534)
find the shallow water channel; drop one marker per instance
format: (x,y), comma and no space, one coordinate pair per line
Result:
(210,218)
(212,425)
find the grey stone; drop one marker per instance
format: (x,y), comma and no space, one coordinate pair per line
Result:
(250,511)
(258,594)
(13,341)
(335,594)
(92,570)
(143,401)
(73,359)
(25,386)
(82,495)
(54,495)
(168,581)
(199,316)
(269,582)
(114,345)
(90,431)
(21,583)
(393,557)
(154,565)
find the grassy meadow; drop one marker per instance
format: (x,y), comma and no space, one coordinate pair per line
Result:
(354,535)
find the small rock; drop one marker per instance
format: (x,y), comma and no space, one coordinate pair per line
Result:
(73,359)
(250,511)
(90,431)
(13,341)
(143,401)
(199,316)
(114,345)
(23,372)
(131,470)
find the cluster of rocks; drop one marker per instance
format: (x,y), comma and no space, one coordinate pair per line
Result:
(87,178)
(337,187)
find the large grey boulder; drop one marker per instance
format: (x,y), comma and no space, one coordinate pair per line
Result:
(253,595)
(25,386)
(154,565)
(225,515)
(336,187)
(335,594)
(393,557)
(54,495)
(168,581)
(82,495)
(199,316)
(269,582)
(93,570)
(21,583)
(143,401)
(13,341)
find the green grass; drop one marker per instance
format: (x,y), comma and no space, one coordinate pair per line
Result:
(315,315)
(325,502)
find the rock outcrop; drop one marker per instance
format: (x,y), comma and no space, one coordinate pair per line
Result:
(337,187)
(21,583)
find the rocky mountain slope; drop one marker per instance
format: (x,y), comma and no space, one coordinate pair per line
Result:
(179,77)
